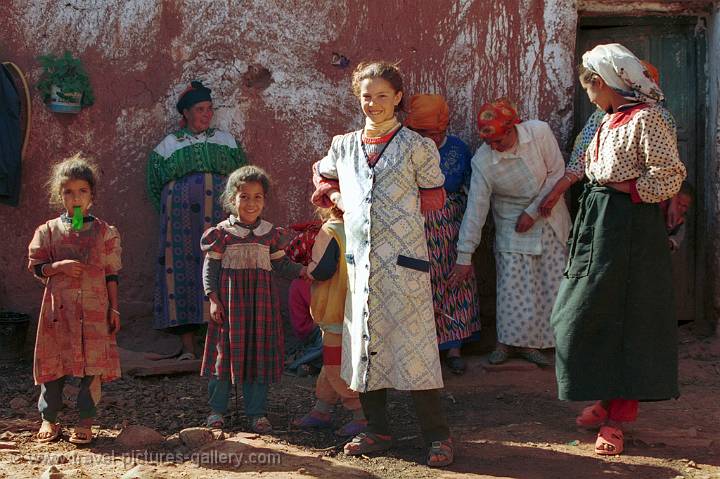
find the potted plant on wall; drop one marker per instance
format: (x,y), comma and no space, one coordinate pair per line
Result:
(64,84)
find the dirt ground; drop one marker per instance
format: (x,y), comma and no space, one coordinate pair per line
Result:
(507,423)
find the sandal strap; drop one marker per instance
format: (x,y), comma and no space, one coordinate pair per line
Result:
(214,418)
(261,425)
(53,425)
(360,438)
(592,416)
(315,417)
(370,439)
(596,410)
(50,434)
(367,442)
(81,435)
(609,437)
(615,432)
(352,428)
(441,447)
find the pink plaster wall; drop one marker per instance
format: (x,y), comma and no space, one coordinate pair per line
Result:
(140,54)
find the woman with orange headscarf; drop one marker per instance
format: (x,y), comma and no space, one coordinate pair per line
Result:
(457,317)
(515,168)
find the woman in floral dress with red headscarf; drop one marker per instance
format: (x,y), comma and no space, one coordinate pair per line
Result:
(515,168)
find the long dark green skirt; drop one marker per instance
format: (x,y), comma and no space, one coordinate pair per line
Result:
(614,318)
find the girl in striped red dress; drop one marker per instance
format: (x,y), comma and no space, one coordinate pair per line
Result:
(244,341)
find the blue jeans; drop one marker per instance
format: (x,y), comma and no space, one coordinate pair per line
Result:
(50,401)
(254,397)
(310,352)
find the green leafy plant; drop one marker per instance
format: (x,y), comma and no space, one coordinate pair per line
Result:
(68,75)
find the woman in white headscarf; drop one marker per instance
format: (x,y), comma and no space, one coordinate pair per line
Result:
(614,322)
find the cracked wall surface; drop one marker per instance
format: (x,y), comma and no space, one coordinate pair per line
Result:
(270,66)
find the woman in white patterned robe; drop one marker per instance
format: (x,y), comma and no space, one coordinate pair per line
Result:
(392,341)
(385,177)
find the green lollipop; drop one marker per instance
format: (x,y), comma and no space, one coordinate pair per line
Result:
(77,219)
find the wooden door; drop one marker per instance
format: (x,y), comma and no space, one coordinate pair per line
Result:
(676,46)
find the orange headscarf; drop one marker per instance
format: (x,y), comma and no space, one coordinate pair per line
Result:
(652,70)
(495,119)
(428,112)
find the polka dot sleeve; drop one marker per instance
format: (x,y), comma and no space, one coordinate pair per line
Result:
(576,164)
(657,148)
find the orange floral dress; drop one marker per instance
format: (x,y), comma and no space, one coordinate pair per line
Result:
(73,337)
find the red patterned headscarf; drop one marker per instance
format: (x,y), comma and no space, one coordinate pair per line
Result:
(495,119)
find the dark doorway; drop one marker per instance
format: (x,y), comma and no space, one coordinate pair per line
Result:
(676,46)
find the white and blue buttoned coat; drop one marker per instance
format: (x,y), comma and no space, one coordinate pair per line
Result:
(389,337)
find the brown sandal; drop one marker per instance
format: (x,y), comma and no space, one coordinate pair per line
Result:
(54,432)
(81,435)
(443,449)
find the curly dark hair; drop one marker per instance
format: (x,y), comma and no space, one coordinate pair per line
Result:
(244,174)
(379,69)
(77,167)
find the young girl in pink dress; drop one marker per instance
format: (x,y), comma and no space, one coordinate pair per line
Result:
(77,257)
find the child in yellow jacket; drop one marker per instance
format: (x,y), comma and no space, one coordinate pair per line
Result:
(328,270)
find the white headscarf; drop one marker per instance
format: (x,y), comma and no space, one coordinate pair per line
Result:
(623,72)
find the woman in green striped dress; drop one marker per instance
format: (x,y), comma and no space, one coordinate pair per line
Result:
(186,174)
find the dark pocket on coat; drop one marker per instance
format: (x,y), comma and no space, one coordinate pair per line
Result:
(413,263)
(581,253)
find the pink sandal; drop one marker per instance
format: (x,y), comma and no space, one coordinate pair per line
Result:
(592,416)
(610,441)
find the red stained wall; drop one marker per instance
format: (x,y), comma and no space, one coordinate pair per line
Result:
(141,54)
